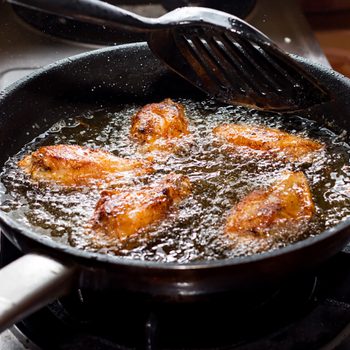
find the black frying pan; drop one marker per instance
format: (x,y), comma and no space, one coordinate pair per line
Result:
(116,75)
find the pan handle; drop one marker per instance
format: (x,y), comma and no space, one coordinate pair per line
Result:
(92,11)
(29,283)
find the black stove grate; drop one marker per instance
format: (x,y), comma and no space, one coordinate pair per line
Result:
(305,314)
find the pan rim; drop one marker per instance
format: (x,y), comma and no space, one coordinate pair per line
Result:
(195,265)
(77,253)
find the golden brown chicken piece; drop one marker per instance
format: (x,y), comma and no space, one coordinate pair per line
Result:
(159,126)
(75,165)
(122,213)
(285,207)
(273,141)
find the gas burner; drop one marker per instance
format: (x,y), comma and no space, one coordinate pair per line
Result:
(128,321)
(101,35)
(306,313)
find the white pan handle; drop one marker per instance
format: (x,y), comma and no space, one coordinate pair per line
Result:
(29,283)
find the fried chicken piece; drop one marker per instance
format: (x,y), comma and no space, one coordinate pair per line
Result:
(75,165)
(284,208)
(273,141)
(121,213)
(159,126)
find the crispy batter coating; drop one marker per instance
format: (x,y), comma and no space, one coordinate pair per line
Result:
(158,126)
(273,141)
(122,213)
(75,165)
(286,205)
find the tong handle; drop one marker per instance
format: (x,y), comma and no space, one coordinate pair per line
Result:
(92,11)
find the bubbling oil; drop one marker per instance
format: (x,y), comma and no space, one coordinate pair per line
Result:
(194,230)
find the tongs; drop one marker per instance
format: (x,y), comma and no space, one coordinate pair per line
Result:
(219,53)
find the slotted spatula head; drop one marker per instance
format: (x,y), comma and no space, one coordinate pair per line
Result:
(233,62)
(217,52)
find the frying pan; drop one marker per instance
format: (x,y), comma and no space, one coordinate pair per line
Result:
(116,75)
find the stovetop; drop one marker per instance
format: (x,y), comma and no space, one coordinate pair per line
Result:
(310,313)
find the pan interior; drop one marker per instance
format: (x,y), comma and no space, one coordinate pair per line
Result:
(193,232)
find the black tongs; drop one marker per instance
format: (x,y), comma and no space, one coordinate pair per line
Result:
(219,53)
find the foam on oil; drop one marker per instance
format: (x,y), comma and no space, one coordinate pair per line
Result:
(193,231)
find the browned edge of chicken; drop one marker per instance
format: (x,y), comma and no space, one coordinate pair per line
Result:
(76,165)
(122,213)
(158,126)
(271,141)
(286,205)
